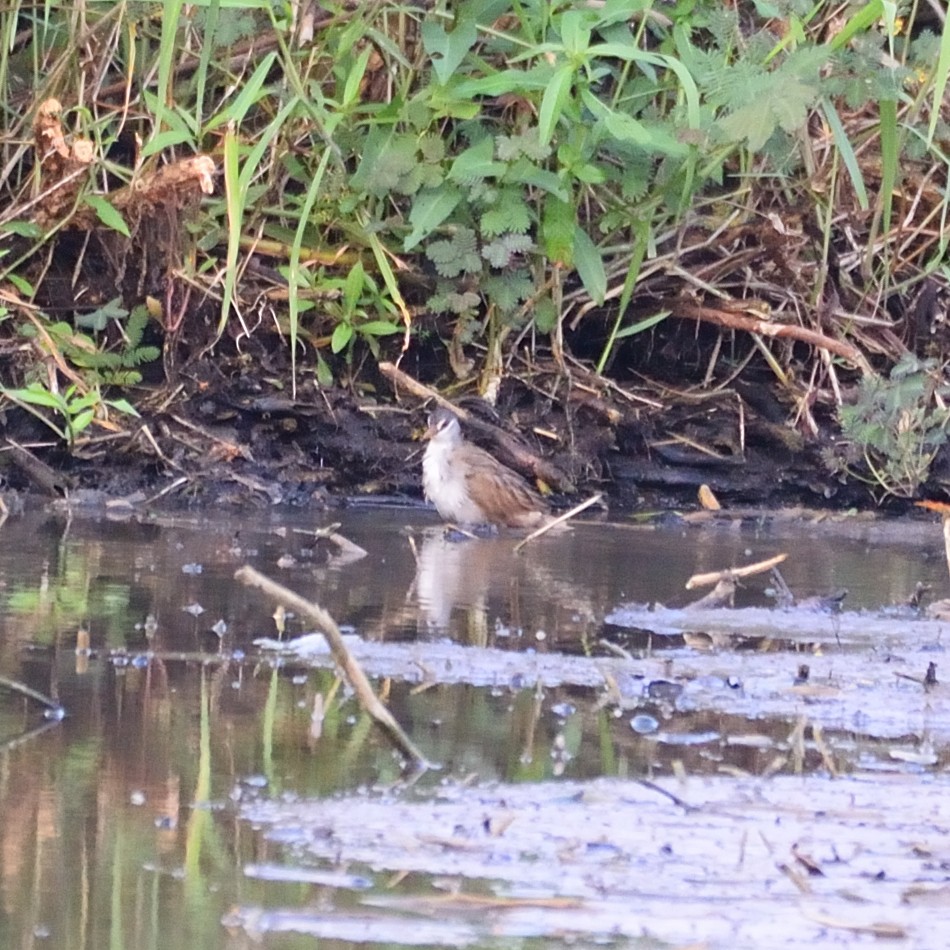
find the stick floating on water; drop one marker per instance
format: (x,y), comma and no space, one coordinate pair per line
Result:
(350,669)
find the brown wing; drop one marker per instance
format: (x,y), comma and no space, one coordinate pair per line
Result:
(503,495)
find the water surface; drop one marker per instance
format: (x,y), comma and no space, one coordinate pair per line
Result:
(125,824)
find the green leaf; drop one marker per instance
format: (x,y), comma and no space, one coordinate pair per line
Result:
(939,82)
(123,405)
(379,328)
(353,287)
(590,266)
(167,139)
(500,84)
(429,210)
(22,285)
(341,337)
(545,315)
(324,373)
(553,101)
(80,422)
(37,395)
(476,163)
(645,324)
(527,173)
(574,34)
(447,50)
(869,14)
(846,151)
(249,96)
(351,90)
(26,229)
(509,213)
(558,222)
(887,109)
(83,401)
(99,318)
(499,252)
(459,255)
(107,214)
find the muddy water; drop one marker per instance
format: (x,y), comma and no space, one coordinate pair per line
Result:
(151,815)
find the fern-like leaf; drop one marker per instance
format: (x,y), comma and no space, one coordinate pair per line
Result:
(458,255)
(454,302)
(500,252)
(509,213)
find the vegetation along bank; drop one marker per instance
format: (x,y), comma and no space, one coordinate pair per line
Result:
(644,247)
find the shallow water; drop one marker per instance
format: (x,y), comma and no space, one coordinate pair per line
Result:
(130,822)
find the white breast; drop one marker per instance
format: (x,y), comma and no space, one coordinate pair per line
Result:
(444,485)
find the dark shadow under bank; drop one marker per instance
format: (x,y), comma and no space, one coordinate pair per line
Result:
(236,441)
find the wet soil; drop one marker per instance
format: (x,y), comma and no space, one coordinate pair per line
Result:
(227,433)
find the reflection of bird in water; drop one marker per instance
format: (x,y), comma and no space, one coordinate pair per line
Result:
(468,485)
(453,575)
(472,590)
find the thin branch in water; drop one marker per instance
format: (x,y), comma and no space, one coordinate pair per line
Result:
(559,520)
(17,687)
(350,669)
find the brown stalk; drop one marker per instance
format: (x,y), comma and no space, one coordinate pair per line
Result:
(350,669)
(770,328)
(704,580)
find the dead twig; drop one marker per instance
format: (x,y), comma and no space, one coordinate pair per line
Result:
(350,669)
(771,328)
(17,687)
(714,577)
(559,520)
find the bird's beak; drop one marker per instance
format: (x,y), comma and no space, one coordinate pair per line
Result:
(430,432)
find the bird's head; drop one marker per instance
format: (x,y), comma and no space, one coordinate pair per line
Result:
(444,426)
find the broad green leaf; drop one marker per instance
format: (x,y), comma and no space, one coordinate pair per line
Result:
(590,266)
(476,163)
(553,101)
(83,401)
(379,327)
(353,287)
(107,214)
(545,314)
(341,337)
(80,422)
(558,222)
(509,80)
(123,405)
(574,34)
(36,395)
(429,210)
(167,139)
(26,229)
(632,54)
(351,90)
(527,173)
(323,372)
(23,286)
(447,50)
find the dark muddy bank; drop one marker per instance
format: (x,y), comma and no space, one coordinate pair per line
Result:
(231,435)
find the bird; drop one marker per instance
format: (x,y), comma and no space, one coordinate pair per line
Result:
(469,486)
